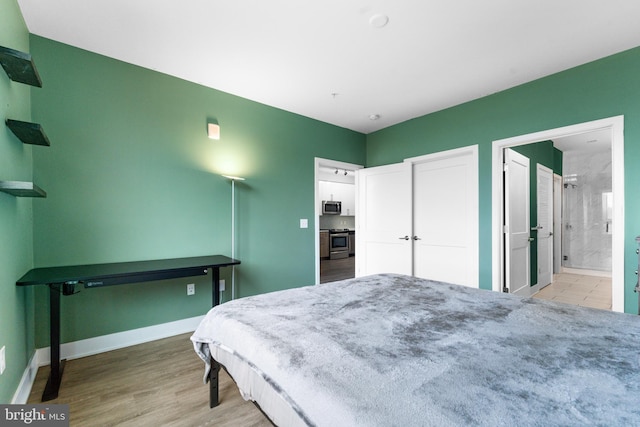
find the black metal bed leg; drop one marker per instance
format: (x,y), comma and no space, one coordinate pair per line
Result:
(213,383)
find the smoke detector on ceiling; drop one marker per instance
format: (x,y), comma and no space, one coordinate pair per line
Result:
(378,20)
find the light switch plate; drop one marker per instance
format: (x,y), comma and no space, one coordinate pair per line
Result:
(191,289)
(304,223)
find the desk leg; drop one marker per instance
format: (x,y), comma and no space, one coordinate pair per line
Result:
(57,366)
(215,286)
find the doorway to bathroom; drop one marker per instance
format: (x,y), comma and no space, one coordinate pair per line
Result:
(600,208)
(582,271)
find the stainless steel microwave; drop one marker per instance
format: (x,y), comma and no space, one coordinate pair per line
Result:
(331,207)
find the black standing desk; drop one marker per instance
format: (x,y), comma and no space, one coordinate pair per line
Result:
(64,279)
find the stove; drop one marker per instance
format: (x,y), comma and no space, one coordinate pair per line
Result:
(338,243)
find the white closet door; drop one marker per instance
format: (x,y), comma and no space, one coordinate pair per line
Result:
(383,223)
(445,217)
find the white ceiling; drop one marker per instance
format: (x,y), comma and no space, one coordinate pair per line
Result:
(324,59)
(585,142)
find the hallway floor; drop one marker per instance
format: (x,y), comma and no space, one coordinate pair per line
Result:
(337,269)
(578,289)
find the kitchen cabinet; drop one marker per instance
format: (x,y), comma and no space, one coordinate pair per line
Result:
(324,244)
(342,192)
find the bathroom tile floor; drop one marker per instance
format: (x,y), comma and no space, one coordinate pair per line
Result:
(588,291)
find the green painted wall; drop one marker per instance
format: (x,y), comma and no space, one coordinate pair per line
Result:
(545,154)
(604,88)
(131,175)
(16,214)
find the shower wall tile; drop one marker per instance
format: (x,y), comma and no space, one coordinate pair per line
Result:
(586,216)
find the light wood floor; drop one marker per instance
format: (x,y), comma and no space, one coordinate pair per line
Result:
(578,289)
(153,384)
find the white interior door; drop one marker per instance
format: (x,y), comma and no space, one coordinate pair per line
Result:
(557,224)
(445,217)
(517,227)
(544,177)
(383,223)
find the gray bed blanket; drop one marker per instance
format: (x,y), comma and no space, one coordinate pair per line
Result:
(391,350)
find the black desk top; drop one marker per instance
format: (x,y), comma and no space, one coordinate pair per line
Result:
(125,272)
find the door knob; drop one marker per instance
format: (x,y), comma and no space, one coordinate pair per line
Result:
(531,239)
(404,238)
(416,238)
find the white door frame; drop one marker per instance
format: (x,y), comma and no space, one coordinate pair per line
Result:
(616,125)
(318,203)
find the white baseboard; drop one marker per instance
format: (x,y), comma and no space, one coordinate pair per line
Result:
(26,382)
(528,291)
(586,272)
(101,344)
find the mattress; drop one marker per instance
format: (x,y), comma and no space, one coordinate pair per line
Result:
(392,350)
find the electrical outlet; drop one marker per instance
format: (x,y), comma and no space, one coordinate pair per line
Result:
(3,362)
(191,289)
(222,285)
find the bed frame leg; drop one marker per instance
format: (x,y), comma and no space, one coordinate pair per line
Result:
(213,383)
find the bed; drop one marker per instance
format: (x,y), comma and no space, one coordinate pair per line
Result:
(393,350)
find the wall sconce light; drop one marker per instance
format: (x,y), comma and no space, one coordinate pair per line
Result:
(213,129)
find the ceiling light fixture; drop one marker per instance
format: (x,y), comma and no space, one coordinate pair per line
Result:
(374,117)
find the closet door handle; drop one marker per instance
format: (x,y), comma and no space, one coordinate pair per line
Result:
(416,238)
(404,238)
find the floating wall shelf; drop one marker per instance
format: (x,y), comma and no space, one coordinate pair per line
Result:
(29,133)
(19,66)
(22,189)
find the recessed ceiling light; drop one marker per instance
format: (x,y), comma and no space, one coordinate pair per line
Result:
(378,20)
